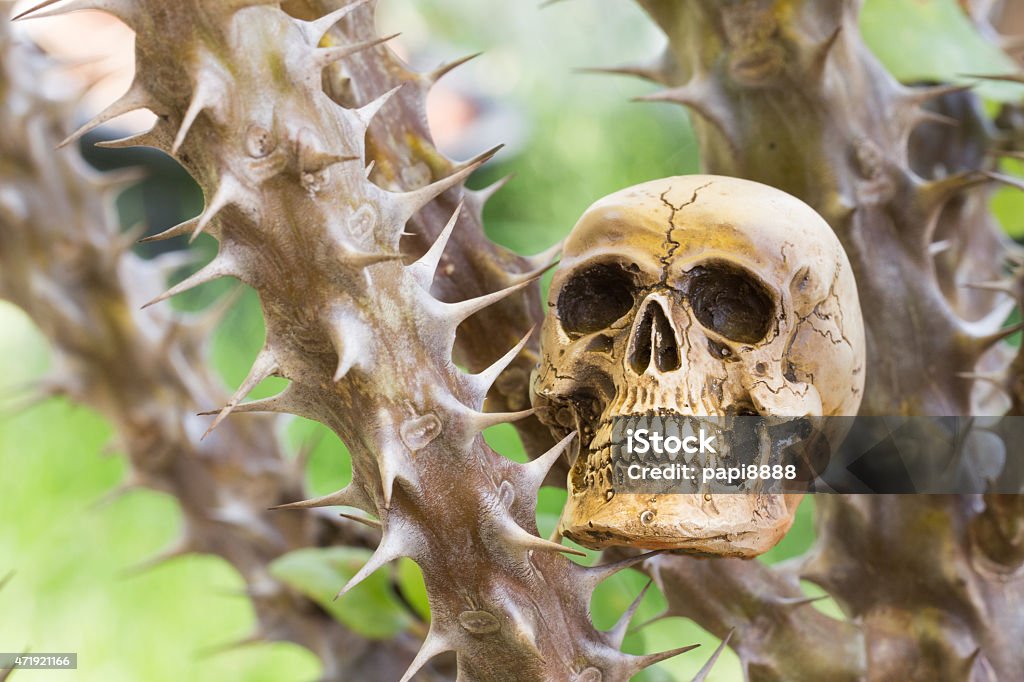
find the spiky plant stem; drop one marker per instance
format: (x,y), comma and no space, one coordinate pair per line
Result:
(401,148)
(787,94)
(63,261)
(777,633)
(366,346)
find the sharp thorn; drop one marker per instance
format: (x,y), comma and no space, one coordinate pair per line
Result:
(593,576)
(324,57)
(443,70)
(120,10)
(517,536)
(537,470)
(480,421)
(475,163)
(484,380)
(33,9)
(316,30)
(537,272)
(935,193)
(463,310)
(642,662)
(263,367)
(223,197)
(368,112)
(136,98)
(384,555)
(1001,335)
(219,267)
(705,671)
(411,202)
(425,268)
(433,646)
(195,107)
(547,257)
(179,230)
(663,70)
(650,621)
(366,521)
(391,464)
(144,139)
(482,196)
(352,342)
(618,633)
(313,159)
(349,496)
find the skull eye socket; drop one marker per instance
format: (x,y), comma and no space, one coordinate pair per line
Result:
(731,302)
(594,298)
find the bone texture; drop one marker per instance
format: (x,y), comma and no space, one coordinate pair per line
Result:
(759,314)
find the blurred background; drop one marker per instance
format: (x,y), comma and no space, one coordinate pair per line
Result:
(571,138)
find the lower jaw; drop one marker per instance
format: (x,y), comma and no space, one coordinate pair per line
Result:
(730,525)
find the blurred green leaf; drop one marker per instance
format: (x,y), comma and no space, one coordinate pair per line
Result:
(653,675)
(329,465)
(614,596)
(410,581)
(1008,202)
(550,502)
(66,550)
(799,538)
(372,609)
(504,440)
(933,40)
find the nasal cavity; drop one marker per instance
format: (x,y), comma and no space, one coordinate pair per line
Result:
(653,340)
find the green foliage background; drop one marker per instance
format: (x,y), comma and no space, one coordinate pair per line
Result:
(581,139)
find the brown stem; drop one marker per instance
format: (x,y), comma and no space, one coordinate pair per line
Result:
(63,261)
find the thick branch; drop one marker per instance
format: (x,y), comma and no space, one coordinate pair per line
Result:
(63,261)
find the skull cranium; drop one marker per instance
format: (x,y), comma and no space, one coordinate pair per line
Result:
(694,295)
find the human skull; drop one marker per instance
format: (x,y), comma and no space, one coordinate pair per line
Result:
(694,295)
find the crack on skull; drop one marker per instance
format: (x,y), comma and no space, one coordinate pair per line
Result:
(671,245)
(835,318)
(784,387)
